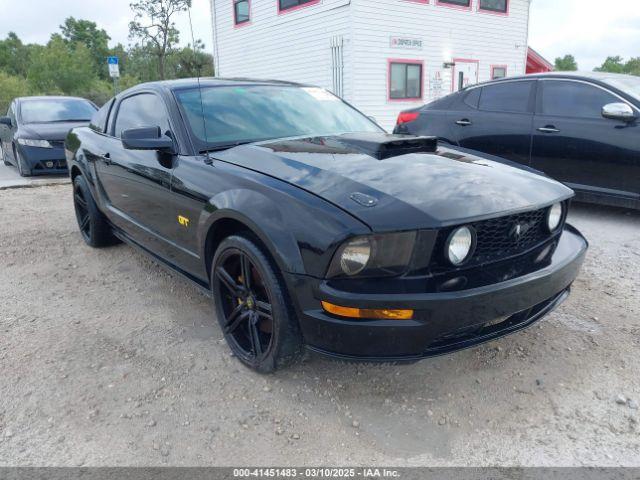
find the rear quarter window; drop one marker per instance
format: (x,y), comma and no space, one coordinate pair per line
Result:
(510,97)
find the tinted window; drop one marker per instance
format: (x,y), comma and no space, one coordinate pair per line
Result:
(506,97)
(286,4)
(571,99)
(405,81)
(56,110)
(473,97)
(494,5)
(99,120)
(144,110)
(462,3)
(241,11)
(252,113)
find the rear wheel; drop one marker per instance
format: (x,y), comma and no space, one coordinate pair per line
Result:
(94,228)
(252,306)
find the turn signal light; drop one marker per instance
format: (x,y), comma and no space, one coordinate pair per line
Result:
(406,117)
(383,314)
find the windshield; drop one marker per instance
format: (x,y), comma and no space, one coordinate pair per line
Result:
(253,113)
(56,110)
(628,84)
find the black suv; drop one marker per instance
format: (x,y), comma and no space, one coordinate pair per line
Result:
(580,128)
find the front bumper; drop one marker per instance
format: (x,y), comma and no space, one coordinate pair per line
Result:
(444,321)
(44,160)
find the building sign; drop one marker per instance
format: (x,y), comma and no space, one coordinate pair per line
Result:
(406,43)
(436,85)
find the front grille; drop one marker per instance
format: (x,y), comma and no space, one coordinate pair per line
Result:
(498,238)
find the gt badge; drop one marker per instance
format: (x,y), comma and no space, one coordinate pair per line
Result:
(184,221)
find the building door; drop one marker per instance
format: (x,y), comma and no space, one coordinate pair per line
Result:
(465,74)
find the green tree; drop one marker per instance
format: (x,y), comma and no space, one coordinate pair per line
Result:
(14,55)
(95,39)
(60,68)
(612,65)
(632,67)
(10,87)
(153,25)
(188,62)
(566,64)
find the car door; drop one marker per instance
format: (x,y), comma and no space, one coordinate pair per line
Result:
(136,183)
(575,144)
(497,119)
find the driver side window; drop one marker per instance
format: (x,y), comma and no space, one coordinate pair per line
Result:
(142,110)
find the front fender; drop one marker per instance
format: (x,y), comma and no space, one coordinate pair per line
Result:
(263,216)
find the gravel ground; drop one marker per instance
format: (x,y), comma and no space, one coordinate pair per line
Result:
(107,359)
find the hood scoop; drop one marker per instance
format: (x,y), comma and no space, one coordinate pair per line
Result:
(382,146)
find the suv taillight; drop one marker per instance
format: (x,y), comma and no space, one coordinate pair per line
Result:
(407,117)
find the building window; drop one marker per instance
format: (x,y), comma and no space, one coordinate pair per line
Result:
(241,12)
(498,72)
(285,5)
(456,3)
(405,80)
(499,6)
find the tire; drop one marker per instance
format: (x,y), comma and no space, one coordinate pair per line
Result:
(94,228)
(4,157)
(257,320)
(24,172)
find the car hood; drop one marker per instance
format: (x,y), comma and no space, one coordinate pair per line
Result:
(416,190)
(55,131)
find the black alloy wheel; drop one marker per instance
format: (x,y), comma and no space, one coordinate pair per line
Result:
(251,307)
(94,228)
(82,212)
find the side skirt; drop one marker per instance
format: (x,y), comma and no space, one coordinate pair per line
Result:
(203,287)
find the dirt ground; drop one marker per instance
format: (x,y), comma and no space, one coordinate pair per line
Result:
(107,359)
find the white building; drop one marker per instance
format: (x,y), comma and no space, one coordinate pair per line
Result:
(383,56)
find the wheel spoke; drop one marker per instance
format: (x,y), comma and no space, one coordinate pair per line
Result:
(235,319)
(85,223)
(256,346)
(80,201)
(245,266)
(263,309)
(228,282)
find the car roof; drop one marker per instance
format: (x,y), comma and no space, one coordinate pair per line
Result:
(50,97)
(578,75)
(207,82)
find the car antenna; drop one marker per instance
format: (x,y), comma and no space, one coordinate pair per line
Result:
(208,161)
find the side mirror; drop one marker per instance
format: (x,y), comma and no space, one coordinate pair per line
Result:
(618,111)
(6,121)
(148,138)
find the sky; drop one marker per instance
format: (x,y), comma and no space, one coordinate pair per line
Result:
(588,29)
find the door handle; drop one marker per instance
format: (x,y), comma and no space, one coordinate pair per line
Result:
(464,122)
(106,158)
(548,129)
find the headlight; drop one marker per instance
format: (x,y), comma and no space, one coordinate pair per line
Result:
(459,245)
(554,217)
(355,256)
(34,143)
(373,256)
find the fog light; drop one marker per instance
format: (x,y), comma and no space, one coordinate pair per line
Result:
(49,164)
(381,314)
(554,217)
(459,245)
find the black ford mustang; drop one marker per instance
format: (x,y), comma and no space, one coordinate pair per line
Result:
(312,227)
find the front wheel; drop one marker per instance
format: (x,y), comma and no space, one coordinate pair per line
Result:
(94,228)
(4,157)
(252,307)
(20,163)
